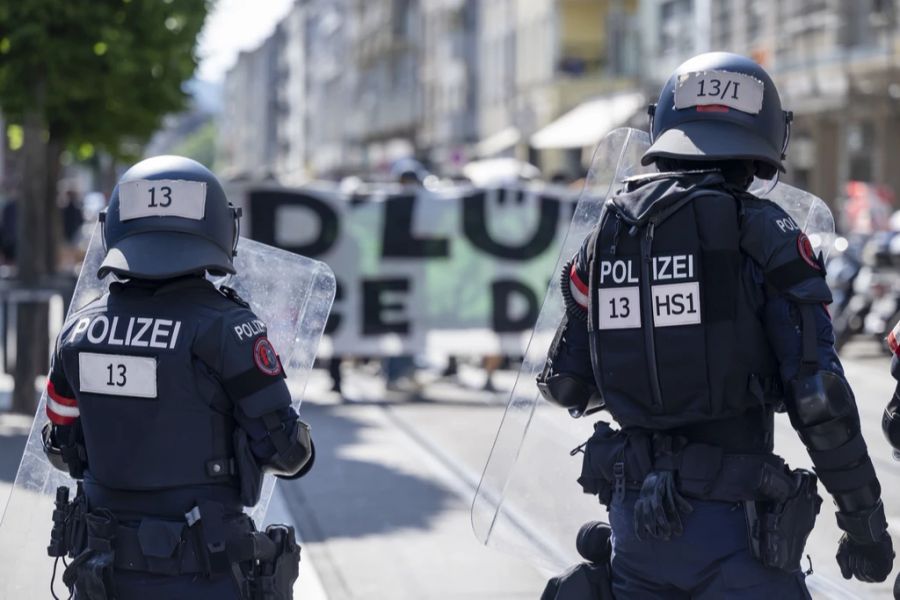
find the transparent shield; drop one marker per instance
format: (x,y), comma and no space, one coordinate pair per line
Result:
(809,212)
(528,502)
(292,293)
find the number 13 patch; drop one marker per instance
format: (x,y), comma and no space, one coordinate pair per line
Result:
(619,308)
(117,374)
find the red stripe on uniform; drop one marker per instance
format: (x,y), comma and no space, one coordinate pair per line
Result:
(51,391)
(63,404)
(577,282)
(59,419)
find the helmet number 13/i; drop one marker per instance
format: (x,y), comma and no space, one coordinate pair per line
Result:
(165,196)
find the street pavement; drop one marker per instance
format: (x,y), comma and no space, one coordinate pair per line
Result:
(385,511)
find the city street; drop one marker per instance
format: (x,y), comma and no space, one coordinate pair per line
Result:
(385,512)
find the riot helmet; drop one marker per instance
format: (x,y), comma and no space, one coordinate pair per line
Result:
(168,217)
(720,106)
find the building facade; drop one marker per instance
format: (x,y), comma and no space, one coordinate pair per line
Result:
(388,101)
(291,157)
(248,145)
(835,64)
(449,82)
(539,59)
(332,120)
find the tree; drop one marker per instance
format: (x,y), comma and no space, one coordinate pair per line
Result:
(98,74)
(200,145)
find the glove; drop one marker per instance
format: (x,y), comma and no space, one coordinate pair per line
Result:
(865,550)
(658,510)
(869,562)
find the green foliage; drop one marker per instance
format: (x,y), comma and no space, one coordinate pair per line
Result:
(102,73)
(200,145)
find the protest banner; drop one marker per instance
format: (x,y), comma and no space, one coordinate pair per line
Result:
(461,269)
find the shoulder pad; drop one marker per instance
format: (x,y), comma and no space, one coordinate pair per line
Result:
(777,244)
(233,296)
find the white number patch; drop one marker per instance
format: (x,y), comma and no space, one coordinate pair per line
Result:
(162,198)
(619,308)
(117,374)
(676,304)
(724,88)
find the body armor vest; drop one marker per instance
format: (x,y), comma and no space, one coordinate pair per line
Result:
(154,416)
(675,337)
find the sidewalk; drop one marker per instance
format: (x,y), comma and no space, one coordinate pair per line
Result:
(14,431)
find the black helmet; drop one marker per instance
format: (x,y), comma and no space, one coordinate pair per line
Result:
(168,216)
(720,106)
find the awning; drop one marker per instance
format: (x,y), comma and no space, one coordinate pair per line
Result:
(498,171)
(500,141)
(587,123)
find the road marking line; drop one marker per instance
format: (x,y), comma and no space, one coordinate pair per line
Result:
(465,483)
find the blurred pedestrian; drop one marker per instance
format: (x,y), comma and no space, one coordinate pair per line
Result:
(8,233)
(72,216)
(409,173)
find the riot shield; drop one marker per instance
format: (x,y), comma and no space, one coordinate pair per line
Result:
(527,498)
(528,502)
(291,293)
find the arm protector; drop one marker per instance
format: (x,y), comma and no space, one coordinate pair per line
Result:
(824,413)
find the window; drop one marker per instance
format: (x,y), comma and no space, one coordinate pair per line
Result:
(676,30)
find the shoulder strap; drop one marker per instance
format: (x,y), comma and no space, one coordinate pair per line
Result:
(232,295)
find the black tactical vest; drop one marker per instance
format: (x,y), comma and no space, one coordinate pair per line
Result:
(676,338)
(154,416)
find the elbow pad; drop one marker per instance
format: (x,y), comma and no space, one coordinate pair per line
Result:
(70,458)
(305,468)
(53,452)
(570,392)
(293,454)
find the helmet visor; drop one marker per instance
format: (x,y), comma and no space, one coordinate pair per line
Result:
(712,140)
(164,254)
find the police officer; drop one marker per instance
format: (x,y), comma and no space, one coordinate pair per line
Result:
(167,403)
(695,311)
(890,422)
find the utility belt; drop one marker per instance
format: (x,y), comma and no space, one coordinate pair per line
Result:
(780,505)
(616,461)
(209,542)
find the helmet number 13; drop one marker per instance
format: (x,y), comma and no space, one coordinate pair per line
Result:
(165,193)
(117,374)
